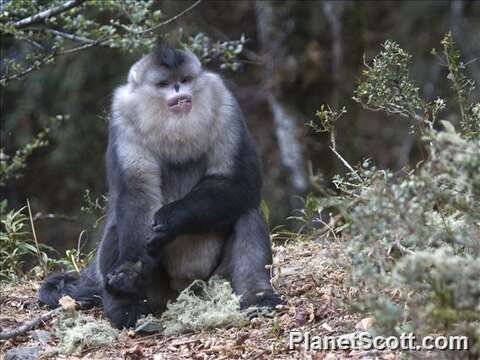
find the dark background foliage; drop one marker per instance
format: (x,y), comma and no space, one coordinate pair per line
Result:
(299,54)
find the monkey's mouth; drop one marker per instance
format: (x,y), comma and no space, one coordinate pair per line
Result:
(180,104)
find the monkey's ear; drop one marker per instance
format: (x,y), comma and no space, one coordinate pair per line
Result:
(193,58)
(136,71)
(133,75)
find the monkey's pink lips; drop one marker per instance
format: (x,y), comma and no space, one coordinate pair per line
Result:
(180,104)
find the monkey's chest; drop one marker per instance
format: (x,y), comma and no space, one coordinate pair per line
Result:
(191,257)
(179,179)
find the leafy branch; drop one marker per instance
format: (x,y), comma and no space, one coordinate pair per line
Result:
(43,15)
(49,30)
(12,165)
(462,86)
(405,235)
(386,85)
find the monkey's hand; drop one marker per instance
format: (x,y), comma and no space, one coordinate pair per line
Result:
(127,279)
(164,230)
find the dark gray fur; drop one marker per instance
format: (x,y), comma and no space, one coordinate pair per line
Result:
(207,223)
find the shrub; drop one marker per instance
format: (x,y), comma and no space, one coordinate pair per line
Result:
(412,239)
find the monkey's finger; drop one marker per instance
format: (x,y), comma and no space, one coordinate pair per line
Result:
(159,227)
(155,243)
(159,238)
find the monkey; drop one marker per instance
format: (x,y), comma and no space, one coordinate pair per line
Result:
(184,194)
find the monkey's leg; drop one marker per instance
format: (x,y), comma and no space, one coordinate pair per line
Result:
(119,276)
(134,195)
(123,311)
(132,214)
(159,291)
(121,307)
(248,252)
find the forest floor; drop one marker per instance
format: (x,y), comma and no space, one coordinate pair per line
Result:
(309,282)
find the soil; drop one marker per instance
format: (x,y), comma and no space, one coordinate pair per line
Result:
(316,301)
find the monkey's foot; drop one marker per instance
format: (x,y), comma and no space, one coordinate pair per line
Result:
(266,299)
(124,314)
(125,279)
(263,305)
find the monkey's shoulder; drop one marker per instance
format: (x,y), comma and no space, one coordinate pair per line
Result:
(124,102)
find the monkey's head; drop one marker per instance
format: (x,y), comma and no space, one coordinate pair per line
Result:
(168,75)
(178,108)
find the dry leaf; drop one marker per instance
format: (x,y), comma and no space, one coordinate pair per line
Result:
(365,324)
(67,303)
(134,353)
(327,327)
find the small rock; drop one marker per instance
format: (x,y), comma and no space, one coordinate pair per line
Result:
(41,335)
(365,324)
(23,353)
(327,327)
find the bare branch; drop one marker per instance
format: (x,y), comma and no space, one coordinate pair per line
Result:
(33,43)
(37,64)
(68,36)
(99,41)
(345,162)
(88,43)
(29,325)
(37,245)
(51,216)
(41,16)
(172,19)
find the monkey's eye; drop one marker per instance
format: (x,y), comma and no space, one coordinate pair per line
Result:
(162,83)
(186,79)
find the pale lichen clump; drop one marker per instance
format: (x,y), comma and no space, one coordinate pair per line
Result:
(202,305)
(80,331)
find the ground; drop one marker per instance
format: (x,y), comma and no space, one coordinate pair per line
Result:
(303,274)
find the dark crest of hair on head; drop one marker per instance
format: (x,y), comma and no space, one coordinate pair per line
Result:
(165,55)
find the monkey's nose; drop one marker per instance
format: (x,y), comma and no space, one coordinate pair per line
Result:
(176,87)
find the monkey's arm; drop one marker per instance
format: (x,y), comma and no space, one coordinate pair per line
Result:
(134,195)
(230,188)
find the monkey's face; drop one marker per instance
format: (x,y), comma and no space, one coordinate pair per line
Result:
(174,90)
(171,84)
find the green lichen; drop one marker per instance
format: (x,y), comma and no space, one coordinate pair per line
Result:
(81,331)
(202,305)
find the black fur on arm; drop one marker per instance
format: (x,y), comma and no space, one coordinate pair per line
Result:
(216,202)
(131,210)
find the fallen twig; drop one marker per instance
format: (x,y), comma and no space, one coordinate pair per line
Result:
(29,325)
(330,226)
